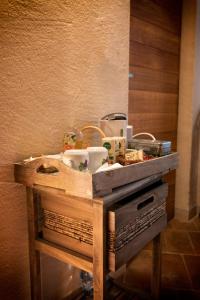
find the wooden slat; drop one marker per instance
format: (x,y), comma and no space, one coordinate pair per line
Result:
(34,254)
(119,177)
(154,36)
(154,122)
(153,94)
(57,201)
(67,256)
(152,102)
(170,6)
(170,177)
(68,242)
(152,80)
(170,202)
(130,189)
(156,267)
(99,250)
(156,12)
(146,56)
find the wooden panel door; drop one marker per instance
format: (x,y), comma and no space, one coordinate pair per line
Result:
(155,31)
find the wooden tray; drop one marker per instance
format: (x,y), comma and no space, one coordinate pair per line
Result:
(87,185)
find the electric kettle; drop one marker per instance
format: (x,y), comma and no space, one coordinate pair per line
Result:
(114,124)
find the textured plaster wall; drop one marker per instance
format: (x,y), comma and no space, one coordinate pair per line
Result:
(187,191)
(63,63)
(185,117)
(196,109)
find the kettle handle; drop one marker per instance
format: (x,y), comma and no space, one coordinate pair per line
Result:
(113,115)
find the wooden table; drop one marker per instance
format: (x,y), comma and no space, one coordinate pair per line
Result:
(92,202)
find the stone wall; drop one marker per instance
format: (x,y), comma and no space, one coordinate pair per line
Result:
(63,63)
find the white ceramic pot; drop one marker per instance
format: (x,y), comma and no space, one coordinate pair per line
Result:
(97,157)
(77,159)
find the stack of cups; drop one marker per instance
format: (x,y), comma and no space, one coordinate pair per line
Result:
(90,159)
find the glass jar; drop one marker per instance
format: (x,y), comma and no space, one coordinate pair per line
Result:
(73,139)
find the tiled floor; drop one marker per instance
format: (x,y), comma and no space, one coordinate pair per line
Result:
(180,263)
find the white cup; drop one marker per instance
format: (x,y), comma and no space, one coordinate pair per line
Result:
(77,159)
(97,157)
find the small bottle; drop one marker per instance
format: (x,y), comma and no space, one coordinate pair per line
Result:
(79,139)
(73,139)
(129,132)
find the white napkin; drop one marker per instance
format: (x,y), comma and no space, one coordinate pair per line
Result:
(55,156)
(105,167)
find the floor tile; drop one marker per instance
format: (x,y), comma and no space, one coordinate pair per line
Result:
(172,294)
(178,242)
(174,274)
(149,246)
(182,226)
(180,263)
(127,292)
(195,238)
(193,266)
(196,222)
(139,271)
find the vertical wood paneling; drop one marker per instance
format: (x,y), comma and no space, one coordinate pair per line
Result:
(152,35)
(155,31)
(145,9)
(154,58)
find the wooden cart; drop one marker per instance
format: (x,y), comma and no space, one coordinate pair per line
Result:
(96,222)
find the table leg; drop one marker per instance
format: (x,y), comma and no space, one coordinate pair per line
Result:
(34,256)
(156,267)
(99,250)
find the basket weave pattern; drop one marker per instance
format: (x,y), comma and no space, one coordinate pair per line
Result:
(74,228)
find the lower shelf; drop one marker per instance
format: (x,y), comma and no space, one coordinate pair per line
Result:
(66,255)
(116,290)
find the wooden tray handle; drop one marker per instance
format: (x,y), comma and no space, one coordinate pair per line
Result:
(50,166)
(44,165)
(47,169)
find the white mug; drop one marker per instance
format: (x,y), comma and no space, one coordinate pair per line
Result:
(97,157)
(76,158)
